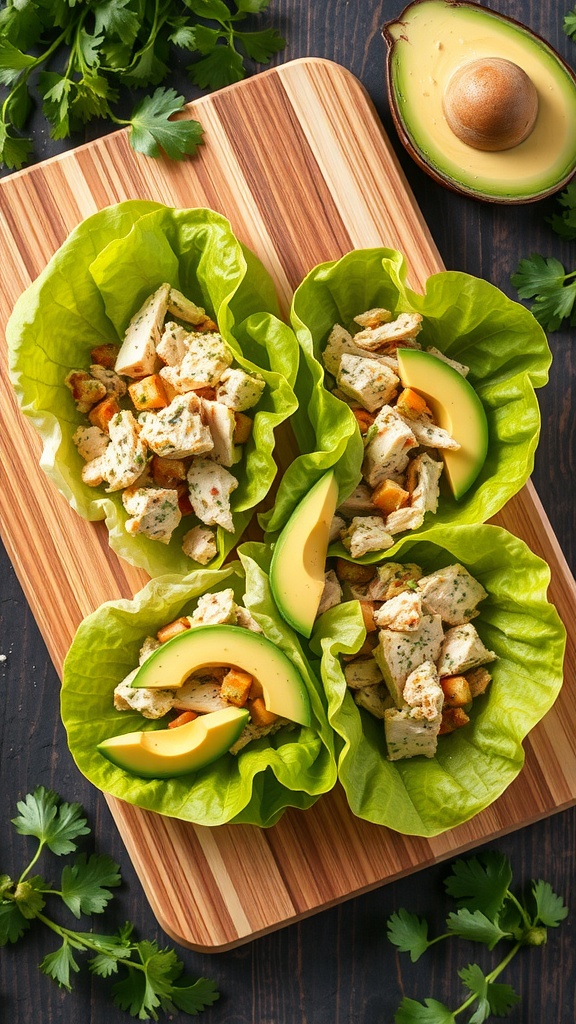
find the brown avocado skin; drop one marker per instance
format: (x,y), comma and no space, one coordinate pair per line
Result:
(398,31)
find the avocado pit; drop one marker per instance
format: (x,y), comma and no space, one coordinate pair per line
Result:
(491,104)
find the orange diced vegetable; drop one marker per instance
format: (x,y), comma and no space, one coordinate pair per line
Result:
(367,609)
(364,418)
(353,572)
(102,413)
(149,393)
(236,687)
(368,646)
(456,691)
(389,496)
(172,629)
(242,429)
(411,403)
(259,712)
(186,716)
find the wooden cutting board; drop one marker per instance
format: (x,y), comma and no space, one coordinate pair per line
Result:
(298,161)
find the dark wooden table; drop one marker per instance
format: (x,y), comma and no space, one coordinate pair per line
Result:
(336,967)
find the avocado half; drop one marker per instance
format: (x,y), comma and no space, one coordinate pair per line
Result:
(433,40)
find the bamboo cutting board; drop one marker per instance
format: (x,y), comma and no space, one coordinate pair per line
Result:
(299,163)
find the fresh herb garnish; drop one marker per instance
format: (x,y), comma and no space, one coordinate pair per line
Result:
(569,25)
(102,46)
(153,977)
(489,913)
(554,291)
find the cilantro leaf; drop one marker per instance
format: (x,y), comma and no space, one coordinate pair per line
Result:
(14,151)
(409,933)
(194,997)
(143,992)
(569,25)
(564,224)
(215,10)
(59,964)
(152,129)
(13,924)
(260,46)
(114,17)
(554,292)
(537,274)
(476,927)
(252,6)
(84,883)
(222,66)
(56,825)
(480,883)
(428,1012)
(550,908)
(13,62)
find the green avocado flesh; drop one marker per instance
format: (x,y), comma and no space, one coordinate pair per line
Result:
(456,407)
(430,41)
(283,689)
(298,562)
(165,753)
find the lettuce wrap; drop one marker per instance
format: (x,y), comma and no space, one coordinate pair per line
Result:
(467,319)
(475,764)
(86,296)
(290,768)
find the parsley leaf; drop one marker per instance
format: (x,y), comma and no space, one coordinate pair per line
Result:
(481,882)
(153,978)
(553,291)
(569,25)
(550,908)
(84,883)
(564,224)
(476,927)
(58,965)
(54,825)
(429,1012)
(409,933)
(14,151)
(492,998)
(151,128)
(222,66)
(260,46)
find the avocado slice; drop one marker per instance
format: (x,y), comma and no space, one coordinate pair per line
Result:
(283,689)
(432,41)
(299,558)
(165,753)
(456,407)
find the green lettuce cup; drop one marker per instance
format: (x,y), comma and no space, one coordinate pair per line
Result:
(85,298)
(465,318)
(473,765)
(289,768)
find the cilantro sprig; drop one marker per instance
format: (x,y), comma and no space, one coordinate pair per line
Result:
(489,913)
(545,279)
(153,978)
(80,57)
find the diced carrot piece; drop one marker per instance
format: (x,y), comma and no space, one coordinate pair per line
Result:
(184,503)
(364,418)
(456,691)
(148,393)
(259,712)
(410,402)
(206,325)
(242,429)
(172,629)
(236,687)
(186,716)
(207,392)
(105,355)
(390,496)
(102,413)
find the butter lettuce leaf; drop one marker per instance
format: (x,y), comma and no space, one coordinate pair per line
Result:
(86,296)
(291,768)
(467,319)
(473,765)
